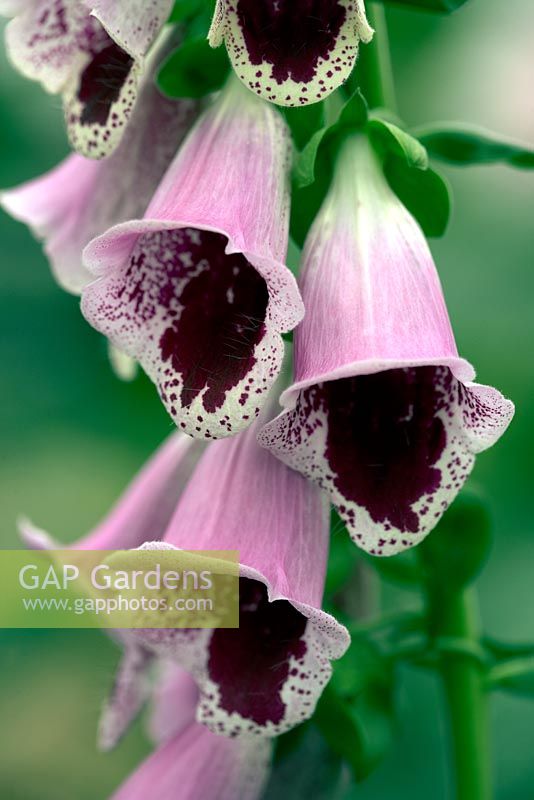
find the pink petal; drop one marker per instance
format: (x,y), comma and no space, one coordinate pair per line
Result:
(60,44)
(144,510)
(381,306)
(174,700)
(382,414)
(291,52)
(266,676)
(80,198)
(197,291)
(198,764)
(130,691)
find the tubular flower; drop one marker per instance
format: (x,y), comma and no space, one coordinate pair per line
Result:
(189,760)
(144,510)
(197,291)
(291,52)
(81,198)
(267,675)
(382,414)
(90,51)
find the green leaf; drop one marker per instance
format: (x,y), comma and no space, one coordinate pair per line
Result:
(305,205)
(193,70)
(305,165)
(503,651)
(471,145)
(424,193)
(439,6)
(360,731)
(319,153)
(355,712)
(515,676)
(353,114)
(459,545)
(392,140)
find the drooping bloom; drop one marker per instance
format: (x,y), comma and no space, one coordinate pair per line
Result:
(144,510)
(291,52)
(189,762)
(383,413)
(267,675)
(81,198)
(197,290)
(90,51)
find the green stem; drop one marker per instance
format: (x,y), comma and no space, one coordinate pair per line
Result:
(374,70)
(454,613)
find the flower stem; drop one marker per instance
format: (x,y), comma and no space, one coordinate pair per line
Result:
(374,70)
(454,613)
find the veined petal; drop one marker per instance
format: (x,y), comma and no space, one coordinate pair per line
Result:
(132,24)
(291,52)
(382,414)
(374,300)
(197,291)
(144,510)
(80,198)
(266,676)
(53,206)
(189,758)
(198,764)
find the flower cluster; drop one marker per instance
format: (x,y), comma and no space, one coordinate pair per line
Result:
(172,222)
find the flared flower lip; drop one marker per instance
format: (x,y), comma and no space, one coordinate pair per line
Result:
(126,234)
(12,202)
(339,639)
(330,641)
(460,368)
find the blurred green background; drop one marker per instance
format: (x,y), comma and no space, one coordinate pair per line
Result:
(72,435)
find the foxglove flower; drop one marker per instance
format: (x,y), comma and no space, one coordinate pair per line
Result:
(90,51)
(267,675)
(197,290)
(144,510)
(291,52)
(81,198)
(189,760)
(382,414)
